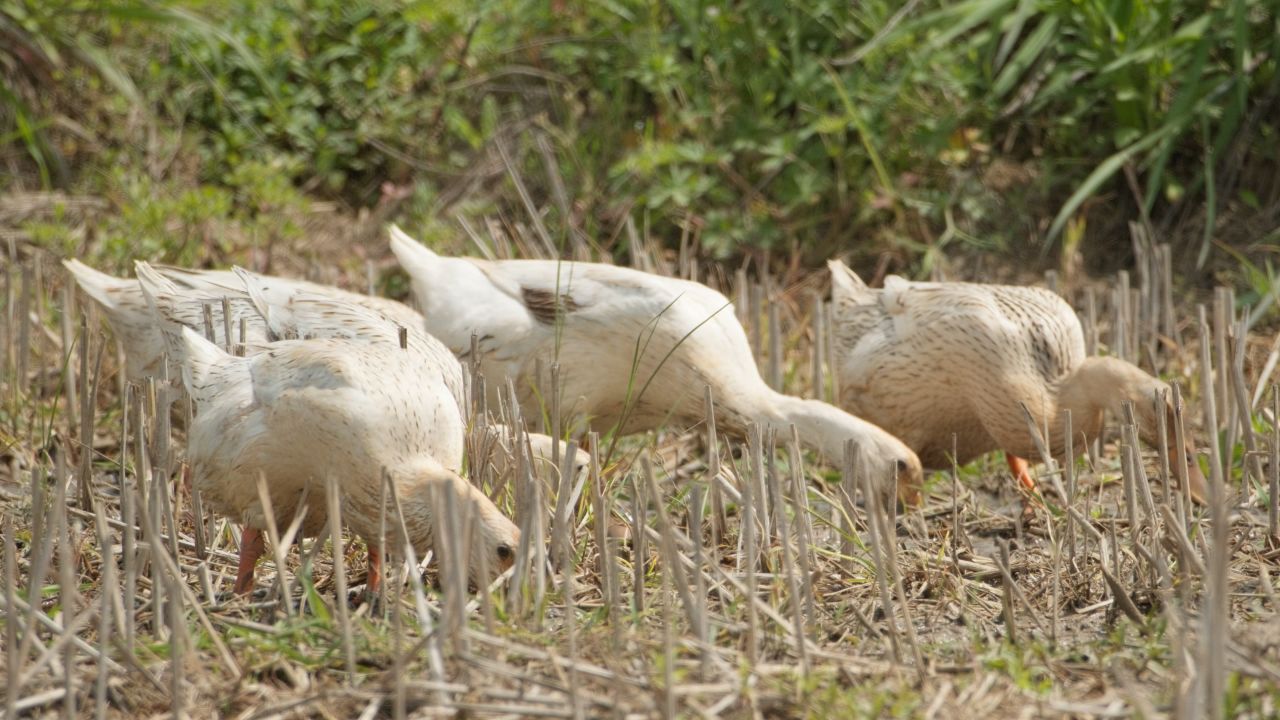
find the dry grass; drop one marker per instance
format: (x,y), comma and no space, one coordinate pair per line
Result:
(693,578)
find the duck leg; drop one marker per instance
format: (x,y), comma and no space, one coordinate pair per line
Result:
(374,579)
(1021,473)
(252,546)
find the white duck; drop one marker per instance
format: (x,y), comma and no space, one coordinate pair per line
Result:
(929,360)
(635,350)
(305,410)
(347,405)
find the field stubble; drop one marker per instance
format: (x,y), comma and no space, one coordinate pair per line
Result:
(686,574)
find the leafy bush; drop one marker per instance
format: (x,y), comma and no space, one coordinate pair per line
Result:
(823,124)
(346,93)
(46,41)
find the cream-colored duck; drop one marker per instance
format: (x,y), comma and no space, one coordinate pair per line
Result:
(126,309)
(929,360)
(635,350)
(346,405)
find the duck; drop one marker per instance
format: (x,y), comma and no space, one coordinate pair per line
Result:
(635,352)
(929,361)
(302,411)
(348,405)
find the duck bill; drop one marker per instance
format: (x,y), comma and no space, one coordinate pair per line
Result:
(910,497)
(910,490)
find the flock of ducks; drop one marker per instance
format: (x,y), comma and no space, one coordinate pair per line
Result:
(328,384)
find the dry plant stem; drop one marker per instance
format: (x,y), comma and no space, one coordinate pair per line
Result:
(1215,617)
(699,560)
(728,579)
(226,324)
(382,559)
(1010,622)
(1223,318)
(1143,482)
(1159,402)
(570,626)
(670,559)
(878,558)
(668,652)
(67,636)
(561,524)
(955,506)
(600,521)
(775,346)
(548,246)
(748,557)
(24,330)
(526,516)
(435,661)
(1127,472)
(278,549)
(740,302)
(42,551)
(1189,559)
(713,472)
(887,524)
(107,590)
(804,529)
(537,538)
(759,493)
(844,512)
(819,350)
(340,575)
(166,562)
(755,306)
(1180,454)
(1119,329)
(639,546)
(452,573)
(1273,489)
(788,564)
(177,652)
(68,376)
(197,513)
(129,501)
(67,596)
(12,661)
(397,630)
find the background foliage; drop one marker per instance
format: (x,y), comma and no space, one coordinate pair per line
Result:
(818,125)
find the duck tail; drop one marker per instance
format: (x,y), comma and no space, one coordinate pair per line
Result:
(103,288)
(846,285)
(257,290)
(413,255)
(199,359)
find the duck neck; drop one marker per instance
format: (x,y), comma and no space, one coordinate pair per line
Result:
(1106,383)
(821,426)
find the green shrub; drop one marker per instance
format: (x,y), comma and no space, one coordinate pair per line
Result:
(345,93)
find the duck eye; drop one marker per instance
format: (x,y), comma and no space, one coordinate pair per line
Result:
(504,552)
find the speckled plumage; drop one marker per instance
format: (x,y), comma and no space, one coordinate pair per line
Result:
(126,309)
(635,349)
(929,360)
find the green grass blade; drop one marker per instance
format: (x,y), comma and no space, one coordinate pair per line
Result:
(1098,178)
(1035,45)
